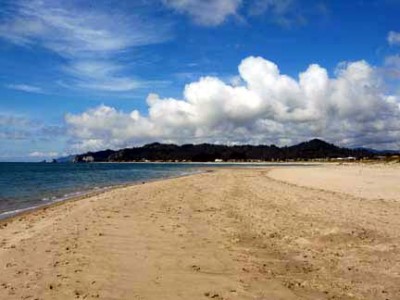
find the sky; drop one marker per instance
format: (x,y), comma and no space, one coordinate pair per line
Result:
(79,76)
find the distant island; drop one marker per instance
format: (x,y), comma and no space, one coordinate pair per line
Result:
(315,149)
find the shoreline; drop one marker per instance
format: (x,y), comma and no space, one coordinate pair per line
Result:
(94,192)
(6,215)
(84,195)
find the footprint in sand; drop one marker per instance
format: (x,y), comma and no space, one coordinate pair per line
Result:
(195,268)
(213,295)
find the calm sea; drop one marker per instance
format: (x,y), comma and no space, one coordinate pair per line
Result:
(28,185)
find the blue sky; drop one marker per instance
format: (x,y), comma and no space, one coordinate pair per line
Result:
(108,74)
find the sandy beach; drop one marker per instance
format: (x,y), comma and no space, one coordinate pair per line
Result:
(320,232)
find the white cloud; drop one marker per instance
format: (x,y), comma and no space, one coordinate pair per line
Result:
(392,66)
(216,12)
(73,30)
(13,120)
(282,12)
(206,12)
(267,107)
(101,76)
(20,127)
(279,7)
(394,38)
(393,61)
(26,88)
(83,37)
(39,154)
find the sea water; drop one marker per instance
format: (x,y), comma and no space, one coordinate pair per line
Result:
(28,185)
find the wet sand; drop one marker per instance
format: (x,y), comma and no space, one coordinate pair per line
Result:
(227,234)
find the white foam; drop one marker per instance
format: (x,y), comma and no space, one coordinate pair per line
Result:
(17,211)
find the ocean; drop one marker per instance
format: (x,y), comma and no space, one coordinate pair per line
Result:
(25,186)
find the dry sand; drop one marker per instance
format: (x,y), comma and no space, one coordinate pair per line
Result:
(229,234)
(372,181)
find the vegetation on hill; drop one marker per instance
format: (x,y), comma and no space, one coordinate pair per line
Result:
(314,149)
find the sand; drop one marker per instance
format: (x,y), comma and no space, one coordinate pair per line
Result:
(226,234)
(372,181)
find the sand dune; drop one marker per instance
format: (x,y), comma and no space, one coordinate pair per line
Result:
(227,234)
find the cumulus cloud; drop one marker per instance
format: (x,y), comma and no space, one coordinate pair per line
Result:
(90,41)
(264,106)
(205,12)
(394,38)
